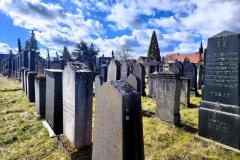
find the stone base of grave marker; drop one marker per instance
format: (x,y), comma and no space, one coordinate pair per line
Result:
(84,153)
(220,122)
(168,97)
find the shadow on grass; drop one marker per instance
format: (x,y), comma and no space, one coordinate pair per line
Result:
(10,90)
(188,128)
(148,114)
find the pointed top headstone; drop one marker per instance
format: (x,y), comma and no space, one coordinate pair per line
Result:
(224,33)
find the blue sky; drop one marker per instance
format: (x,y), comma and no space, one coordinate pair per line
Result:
(180,24)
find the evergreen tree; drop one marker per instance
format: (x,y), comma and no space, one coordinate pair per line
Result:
(33,42)
(154,51)
(66,54)
(48,55)
(19,46)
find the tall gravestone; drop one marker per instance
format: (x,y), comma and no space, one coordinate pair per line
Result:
(179,65)
(22,77)
(98,82)
(54,105)
(118,132)
(152,84)
(104,72)
(113,70)
(190,71)
(25,80)
(168,97)
(139,71)
(77,104)
(134,82)
(125,70)
(40,94)
(185,92)
(219,113)
(31,86)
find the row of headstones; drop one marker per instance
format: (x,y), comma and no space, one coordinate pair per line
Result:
(64,99)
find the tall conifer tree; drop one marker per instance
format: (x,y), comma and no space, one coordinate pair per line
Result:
(154,51)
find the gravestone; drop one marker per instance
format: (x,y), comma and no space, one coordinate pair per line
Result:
(77,104)
(190,71)
(113,70)
(219,113)
(25,80)
(104,72)
(200,76)
(54,105)
(125,70)
(152,66)
(22,77)
(152,84)
(98,82)
(175,70)
(179,65)
(138,71)
(134,82)
(185,92)
(118,132)
(40,94)
(31,86)
(168,97)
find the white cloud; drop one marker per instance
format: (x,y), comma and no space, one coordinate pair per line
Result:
(4,48)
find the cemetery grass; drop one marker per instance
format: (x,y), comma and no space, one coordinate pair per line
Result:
(22,135)
(164,141)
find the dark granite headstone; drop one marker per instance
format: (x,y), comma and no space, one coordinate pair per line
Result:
(138,71)
(113,70)
(40,94)
(31,86)
(190,71)
(152,84)
(22,77)
(200,76)
(118,132)
(219,113)
(104,72)
(134,82)
(54,105)
(185,92)
(168,97)
(179,65)
(125,70)
(25,80)
(77,104)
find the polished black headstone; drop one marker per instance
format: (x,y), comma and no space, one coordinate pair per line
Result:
(40,95)
(31,86)
(190,71)
(219,113)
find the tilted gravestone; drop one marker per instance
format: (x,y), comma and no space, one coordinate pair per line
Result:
(54,105)
(219,113)
(134,82)
(190,71)
(40,94)
(31,86)
(152,84)
(118,132)
(168,97)
(125,70)
(113,70)
(98,82)
(138,71)
(185,92)
(77,104)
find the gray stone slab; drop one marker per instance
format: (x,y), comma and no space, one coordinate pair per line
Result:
(125,70)
(134,82)
(185,92)
(139,71)
(113,70)
(118,132)
(31,86)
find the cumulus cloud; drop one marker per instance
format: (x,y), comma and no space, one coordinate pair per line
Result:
(4,48)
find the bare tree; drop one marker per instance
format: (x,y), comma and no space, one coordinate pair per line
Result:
(124,52)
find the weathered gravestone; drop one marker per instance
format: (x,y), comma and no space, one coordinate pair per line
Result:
(31,86)
(134,82)
(98,82)
(54,106)
(25,80)
(77,104)
(113,70)
(138,71)
(179,65)
(219,113)
(168,97)
(40,94)
(22,77)
(118,132)
(185,92)
(190,71)
(200,76)
(152,84)
(125,70)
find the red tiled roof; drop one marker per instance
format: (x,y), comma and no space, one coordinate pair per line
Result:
(194,58)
